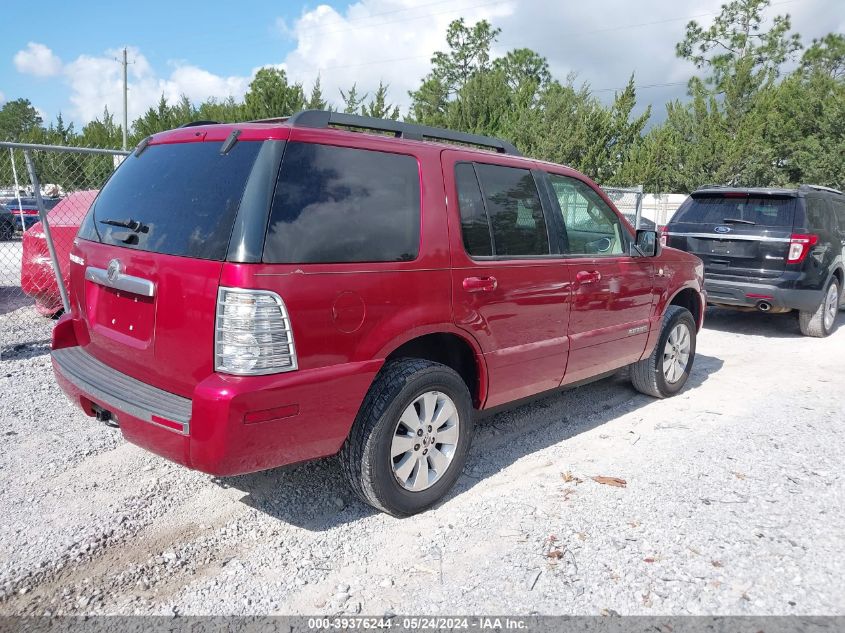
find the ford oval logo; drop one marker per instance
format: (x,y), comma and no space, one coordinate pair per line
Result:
(113,270)
(722,229)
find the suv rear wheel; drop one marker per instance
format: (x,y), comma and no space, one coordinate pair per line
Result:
(409,442)
(819,323)
(665,372)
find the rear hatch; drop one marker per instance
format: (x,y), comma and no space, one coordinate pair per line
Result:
(148,257)
(735,233)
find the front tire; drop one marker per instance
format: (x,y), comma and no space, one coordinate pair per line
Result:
(819,322)
(409,442)
(665,372)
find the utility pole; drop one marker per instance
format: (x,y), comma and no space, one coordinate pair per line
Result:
(125,98)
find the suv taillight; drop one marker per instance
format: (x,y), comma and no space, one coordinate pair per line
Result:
(253,334)
(799,246)
(663,233)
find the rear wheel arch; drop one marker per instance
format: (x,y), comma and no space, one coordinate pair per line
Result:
(452,350)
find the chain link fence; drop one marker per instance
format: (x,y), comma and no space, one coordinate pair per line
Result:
(629,201)
(45,192)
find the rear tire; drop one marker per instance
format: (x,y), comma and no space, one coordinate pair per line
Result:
(665,372)
(820,322)
(396,402)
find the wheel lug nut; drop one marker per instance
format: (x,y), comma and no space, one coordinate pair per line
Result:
(429,428)
(416,447)
(420,432)
(425,450)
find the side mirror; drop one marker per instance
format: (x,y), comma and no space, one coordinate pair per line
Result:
(647,244)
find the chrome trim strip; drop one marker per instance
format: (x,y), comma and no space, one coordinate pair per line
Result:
(135,285)
(122,392)
(730,236)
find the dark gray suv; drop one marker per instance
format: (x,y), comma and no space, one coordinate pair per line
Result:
(775,250)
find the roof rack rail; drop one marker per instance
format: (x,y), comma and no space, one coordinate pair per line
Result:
(821,188)
(195,123)
(400,129)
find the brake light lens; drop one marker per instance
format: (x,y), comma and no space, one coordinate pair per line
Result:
(253,334)
(799,246)
(663,233)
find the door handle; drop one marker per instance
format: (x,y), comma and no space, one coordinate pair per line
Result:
(480,284)
(588,276)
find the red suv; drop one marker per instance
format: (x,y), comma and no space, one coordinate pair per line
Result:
(253,295)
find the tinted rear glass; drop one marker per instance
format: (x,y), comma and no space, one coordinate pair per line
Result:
(184,195)
(338,204)
(761,210)
(513,206)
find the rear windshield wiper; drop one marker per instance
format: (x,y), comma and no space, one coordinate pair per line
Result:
(737,221)
(132,225)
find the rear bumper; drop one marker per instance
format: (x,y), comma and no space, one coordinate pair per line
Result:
(748,294)
(231,425)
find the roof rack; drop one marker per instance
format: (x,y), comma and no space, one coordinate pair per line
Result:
(821,188)
(195,123)
(324,119)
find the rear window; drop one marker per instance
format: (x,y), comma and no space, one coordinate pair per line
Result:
(180,198)
(339,204)
(759,210)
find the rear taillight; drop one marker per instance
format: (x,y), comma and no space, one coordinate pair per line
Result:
(663,232)
(799,246)
(253,334)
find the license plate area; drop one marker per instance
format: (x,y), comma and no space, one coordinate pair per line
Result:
(121,315)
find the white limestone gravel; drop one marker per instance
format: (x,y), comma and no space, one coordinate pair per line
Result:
(734,503)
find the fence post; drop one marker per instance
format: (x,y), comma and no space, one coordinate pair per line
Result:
(639,211)
(42,214)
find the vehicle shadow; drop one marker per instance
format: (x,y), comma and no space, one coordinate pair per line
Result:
(758,323)
(23,351)
(315,496)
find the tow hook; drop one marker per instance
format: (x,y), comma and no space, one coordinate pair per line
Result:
(106,417)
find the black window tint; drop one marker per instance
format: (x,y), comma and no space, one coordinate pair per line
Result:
(337,204)
(185,195)
(715,209)
(474,224)
(820,215)
(839,211)
(515,212)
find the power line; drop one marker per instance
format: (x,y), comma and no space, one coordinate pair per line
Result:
(376,15)
(415,57)
(408,19)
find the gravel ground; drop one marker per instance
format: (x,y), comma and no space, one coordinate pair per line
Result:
(734,503)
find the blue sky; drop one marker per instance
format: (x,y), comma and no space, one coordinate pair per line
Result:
(62,59)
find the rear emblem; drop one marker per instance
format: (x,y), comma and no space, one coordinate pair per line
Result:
(113,271)
(722,229)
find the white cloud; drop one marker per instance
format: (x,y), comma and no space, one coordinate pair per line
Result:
(37,59)
(2,97)
(97,82)
(376,40)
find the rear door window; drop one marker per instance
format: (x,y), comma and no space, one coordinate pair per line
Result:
(770,211)
(475,225)
(177,199)
(339,204)
(514,211)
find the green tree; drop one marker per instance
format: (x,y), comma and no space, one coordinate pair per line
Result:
(316,100)
(270,96)
(826,56)
(352,101)
(379,107)
(18,120)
